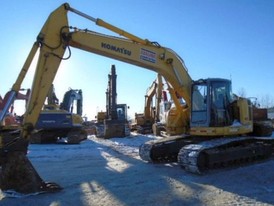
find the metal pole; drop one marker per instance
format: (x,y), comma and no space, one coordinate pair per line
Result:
(81,14)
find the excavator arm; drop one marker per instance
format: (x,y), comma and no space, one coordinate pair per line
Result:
(151,91)
(71,96)
(51,52)
(154,90)
(17,172)
(55,37)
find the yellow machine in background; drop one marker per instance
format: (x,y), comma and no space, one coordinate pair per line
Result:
(101,116)
(216,125)
(172,120)
(143,122)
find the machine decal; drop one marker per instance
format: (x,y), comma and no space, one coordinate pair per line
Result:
(147,55)
(115,48)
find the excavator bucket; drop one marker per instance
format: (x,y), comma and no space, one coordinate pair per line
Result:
(18,174)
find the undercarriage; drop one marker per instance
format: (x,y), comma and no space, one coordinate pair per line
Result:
(68,136)
(201,154)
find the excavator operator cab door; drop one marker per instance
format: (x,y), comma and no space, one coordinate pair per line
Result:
(211,100)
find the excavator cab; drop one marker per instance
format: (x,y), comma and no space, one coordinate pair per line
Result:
(211,103)
(122,112)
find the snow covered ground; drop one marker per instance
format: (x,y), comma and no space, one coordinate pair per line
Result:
(110,172)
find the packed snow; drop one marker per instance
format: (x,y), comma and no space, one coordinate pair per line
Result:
(110,172)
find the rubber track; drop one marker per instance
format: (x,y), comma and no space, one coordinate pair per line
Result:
(189,156)
(164,150)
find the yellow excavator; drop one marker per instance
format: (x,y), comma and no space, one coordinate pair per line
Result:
(171,114)
(143,122)
(216,125)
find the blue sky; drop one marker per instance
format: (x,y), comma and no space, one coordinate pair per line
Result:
(231,39)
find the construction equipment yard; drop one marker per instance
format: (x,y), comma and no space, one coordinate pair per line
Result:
(196,142)
(110,172)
